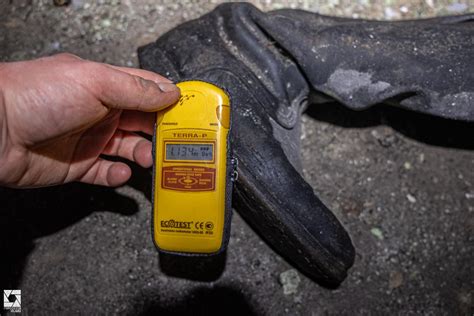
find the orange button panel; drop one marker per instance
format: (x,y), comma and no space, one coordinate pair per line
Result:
(188,178)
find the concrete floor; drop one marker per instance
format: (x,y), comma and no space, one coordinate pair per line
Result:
(401,183)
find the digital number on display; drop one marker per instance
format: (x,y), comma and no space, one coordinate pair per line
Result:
(198,152)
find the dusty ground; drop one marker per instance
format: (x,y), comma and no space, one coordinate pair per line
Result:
(401,183)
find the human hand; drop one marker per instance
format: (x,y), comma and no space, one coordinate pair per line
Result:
(61,115)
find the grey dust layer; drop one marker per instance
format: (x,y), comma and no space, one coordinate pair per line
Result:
(402,184)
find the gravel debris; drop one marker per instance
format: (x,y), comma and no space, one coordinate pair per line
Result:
(290,280)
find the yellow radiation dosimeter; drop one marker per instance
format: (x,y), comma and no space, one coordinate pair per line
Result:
(192,172)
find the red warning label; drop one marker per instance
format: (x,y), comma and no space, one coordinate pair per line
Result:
(188,178)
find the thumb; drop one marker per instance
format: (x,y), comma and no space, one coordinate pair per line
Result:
(130,91)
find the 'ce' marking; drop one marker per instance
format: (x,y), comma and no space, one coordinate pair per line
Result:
(199,225)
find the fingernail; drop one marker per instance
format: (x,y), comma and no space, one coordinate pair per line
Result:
(167,87)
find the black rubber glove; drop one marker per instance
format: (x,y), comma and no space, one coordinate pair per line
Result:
(271,64)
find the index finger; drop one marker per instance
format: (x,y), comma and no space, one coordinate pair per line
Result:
(136,121)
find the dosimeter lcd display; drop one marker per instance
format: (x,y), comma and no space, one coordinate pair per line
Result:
(198,152)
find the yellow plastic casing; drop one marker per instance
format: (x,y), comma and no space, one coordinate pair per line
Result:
(189,198)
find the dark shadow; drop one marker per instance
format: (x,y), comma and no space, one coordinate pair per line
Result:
(29,214)
(197,268)
(421,127)
(142,180)
(219,300)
